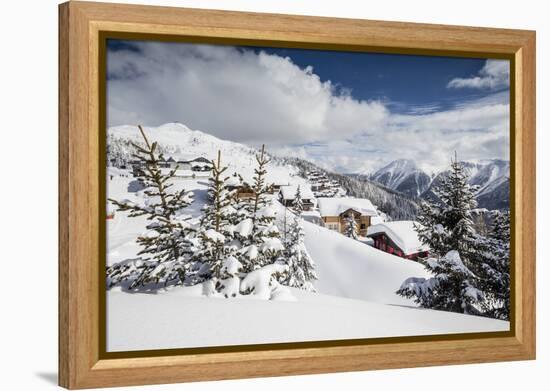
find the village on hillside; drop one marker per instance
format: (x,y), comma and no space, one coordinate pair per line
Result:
(324,202)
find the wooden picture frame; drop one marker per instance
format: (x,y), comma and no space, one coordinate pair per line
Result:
(83,25)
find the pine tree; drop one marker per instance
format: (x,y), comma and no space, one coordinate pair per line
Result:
(351,227)
(446,226)
(260,188)
(215,237)
(165,245)
(301,268)
(450,288)
(257,233)
(297,203)
(495,274)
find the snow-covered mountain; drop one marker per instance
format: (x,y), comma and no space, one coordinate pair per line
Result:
(404,176)
(491,176)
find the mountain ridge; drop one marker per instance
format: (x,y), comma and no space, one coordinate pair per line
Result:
(403,175)
(490,176)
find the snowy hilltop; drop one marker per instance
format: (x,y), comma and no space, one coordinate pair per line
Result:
(181,143)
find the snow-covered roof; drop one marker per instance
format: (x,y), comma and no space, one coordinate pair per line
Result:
(376,220)
(195,163)
(289,192)
(334,206)
(233,181)
(402,233)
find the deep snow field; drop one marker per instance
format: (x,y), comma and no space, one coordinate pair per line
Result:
(355,294)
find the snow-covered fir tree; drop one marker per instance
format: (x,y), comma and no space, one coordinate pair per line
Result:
(165,245)
(260,189)
(450,289)
(119,151)
(214,242)
(494,278)
(225,242)
(446,226)
(257,232)
(301,267)
(351,227)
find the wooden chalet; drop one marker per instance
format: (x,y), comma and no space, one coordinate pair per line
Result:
(335,211)
(398,238)
(241,190)
(275,187)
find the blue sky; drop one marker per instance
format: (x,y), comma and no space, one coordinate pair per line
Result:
(404,82)
(350,112)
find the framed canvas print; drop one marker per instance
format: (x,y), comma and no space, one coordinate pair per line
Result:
(251,195)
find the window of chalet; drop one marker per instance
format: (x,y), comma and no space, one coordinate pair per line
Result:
(332,226)
(363,226)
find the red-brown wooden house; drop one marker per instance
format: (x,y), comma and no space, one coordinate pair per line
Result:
(398,238)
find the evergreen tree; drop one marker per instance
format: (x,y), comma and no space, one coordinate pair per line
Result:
(297,203)
(258,233)
(301,268)
(260,189)
(351,227)
(495,273)
(446,226)
(215,237)
(165,245)
(450,288)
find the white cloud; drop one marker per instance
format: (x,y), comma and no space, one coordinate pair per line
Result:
(254,98)
(232,93)
(473,130)
(495,74)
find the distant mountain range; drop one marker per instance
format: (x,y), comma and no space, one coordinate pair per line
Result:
(404,176)
(491,176)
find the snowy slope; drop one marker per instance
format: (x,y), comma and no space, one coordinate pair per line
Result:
(495,195)
(352,269)
(346,267)
(183,143)
(179,319)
